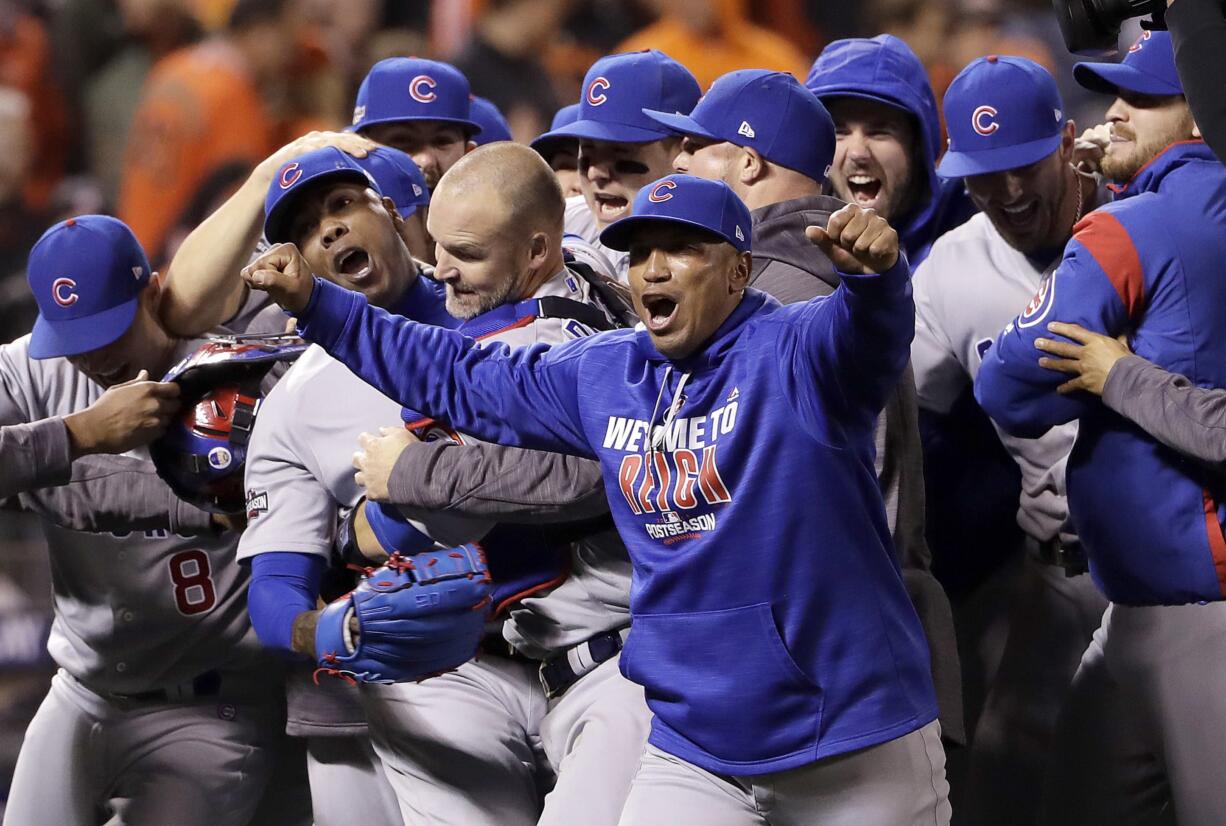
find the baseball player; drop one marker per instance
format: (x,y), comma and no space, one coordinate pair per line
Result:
(771,141)
(495,718)
(707,422)
(1017,165)
(889,138)
(432,123)
(343,777)
(562,154)
(1142,724)
(164,709)
(620,148)
(494,126)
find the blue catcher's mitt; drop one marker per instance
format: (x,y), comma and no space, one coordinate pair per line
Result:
(418,616)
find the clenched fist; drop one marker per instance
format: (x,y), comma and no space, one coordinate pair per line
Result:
(126,416)
(283,273)
(858,241)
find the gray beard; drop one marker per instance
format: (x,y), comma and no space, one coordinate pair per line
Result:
(485,302)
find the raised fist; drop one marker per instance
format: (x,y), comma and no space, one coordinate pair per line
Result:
(858,241)
(283,273)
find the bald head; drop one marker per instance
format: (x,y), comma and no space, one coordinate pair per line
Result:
(496,220)
(518,177)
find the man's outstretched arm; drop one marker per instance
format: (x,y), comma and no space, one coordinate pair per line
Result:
(526,398)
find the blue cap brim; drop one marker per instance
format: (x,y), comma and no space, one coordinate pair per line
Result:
(74,336)
(1109,78)
(473,127)
(681,124)
(616,234)
(988,161)
(549,144)
(594,130)
(275,222)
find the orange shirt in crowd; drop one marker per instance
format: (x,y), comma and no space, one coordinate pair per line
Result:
(25,57)
(738,44)
(200,111)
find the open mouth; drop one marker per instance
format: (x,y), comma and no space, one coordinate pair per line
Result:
(610,207)
(353,263)
(660,311)
(1021,215)
(864,189)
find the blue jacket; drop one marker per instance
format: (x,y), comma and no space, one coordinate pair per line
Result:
(884,68)
(1149,265)
(770,623)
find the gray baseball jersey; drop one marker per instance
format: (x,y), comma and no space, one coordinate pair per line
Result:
(133,611)
(971,285)
(579,222)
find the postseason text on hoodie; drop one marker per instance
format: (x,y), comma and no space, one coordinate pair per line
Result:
(770,624)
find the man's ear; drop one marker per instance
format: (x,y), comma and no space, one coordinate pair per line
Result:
(740,276)
(1068,136)
(538,248)
(1196,133)
(469,147)
(390,206)
(751,165)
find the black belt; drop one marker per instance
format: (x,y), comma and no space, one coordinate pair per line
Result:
(1071,558)
(561,672)
(497,645)
(207,684)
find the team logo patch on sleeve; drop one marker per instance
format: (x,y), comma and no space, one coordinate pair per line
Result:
(1040,305)
(257,503)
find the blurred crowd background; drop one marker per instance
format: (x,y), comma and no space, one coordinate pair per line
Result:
(140,107)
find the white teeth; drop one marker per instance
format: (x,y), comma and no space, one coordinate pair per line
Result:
(1017,210)
(861,180)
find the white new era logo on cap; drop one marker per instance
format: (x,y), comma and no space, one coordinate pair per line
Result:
(746,130)
(1058,113)
(740,236)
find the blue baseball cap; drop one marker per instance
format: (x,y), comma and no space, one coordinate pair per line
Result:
(87,274)
(549,144)
(317,165)
(494,126)
(411,88)
(1001,113)
(617,90)
(396,177)
(1147,69)
(684,199)
(769,111)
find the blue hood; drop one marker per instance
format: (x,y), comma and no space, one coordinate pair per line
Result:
(884,69)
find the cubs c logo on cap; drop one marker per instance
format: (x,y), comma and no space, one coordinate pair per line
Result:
(290,175)
(982,120)
(659,194)
(595,91)
(1136,47)
(421,89)
(63,290)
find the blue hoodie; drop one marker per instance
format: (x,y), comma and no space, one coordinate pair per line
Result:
(884,69)
(770,624)
(1149,265)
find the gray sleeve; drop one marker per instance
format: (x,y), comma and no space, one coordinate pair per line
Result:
(34,455)
(488,481)
(939,377)
(787,284)
(1170,408)
(113,493)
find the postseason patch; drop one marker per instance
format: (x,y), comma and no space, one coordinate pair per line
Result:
(257,503)
(1040,305)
